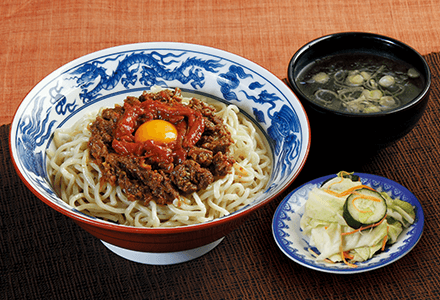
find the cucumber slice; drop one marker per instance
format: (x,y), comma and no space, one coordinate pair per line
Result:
(364,207)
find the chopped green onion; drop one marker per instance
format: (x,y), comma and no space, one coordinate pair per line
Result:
(321,78)
(372,95)
(412,73)
(355,80)
(387,81)
(388,101)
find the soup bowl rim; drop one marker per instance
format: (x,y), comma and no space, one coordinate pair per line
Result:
(377,37)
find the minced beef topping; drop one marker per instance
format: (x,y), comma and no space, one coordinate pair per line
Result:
(160,171)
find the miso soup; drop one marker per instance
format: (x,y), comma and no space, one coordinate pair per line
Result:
(360,83)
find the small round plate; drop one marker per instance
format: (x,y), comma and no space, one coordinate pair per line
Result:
(294,244)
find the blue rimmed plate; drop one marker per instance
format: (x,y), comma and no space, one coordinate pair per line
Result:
(294,244)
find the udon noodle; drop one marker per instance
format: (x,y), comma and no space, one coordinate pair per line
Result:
(77,180)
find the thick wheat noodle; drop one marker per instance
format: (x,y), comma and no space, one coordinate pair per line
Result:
(77,180)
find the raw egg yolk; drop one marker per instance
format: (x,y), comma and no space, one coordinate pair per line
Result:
(156,130)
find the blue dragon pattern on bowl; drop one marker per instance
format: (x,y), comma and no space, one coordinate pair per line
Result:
(99,78)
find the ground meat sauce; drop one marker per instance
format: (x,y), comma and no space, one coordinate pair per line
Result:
(160,171)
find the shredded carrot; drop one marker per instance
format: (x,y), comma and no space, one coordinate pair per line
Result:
(368,197)
(384,242)
(347,192)
(385,239)
(344,172)
(348,255)
(361,196)
(341,175)
(343,257)
(336,182)
(359,210)
(345,254)
(366,227)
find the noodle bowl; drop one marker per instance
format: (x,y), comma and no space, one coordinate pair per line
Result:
(77,179)
(105,78)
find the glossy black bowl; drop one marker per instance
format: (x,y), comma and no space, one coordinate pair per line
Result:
(361,134)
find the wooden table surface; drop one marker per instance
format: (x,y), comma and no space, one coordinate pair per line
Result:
(45,255)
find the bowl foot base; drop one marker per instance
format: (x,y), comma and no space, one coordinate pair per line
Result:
(167,258)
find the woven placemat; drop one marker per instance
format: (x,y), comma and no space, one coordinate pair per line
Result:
(45,255)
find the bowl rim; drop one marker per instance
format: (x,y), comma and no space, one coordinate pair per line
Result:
(105,225)
(388,40)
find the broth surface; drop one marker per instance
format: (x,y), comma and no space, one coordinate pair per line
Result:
(360,83)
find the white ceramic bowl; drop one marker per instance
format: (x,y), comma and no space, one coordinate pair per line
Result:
(106,77)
